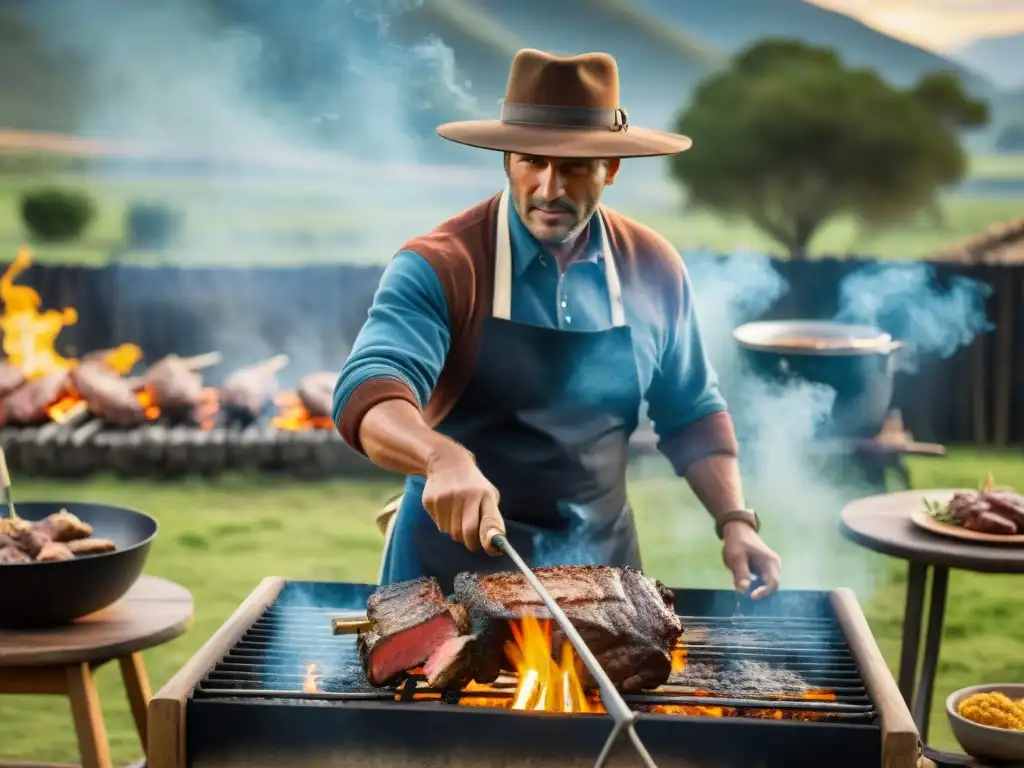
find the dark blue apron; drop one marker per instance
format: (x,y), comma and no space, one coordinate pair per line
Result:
(548,415)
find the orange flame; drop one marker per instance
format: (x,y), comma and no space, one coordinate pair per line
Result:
(294,417)
(309,684)
(545,685)
(30,338)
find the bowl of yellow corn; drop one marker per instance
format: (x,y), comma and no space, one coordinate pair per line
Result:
(988,720)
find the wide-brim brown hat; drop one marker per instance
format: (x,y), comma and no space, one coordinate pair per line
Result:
(564,107)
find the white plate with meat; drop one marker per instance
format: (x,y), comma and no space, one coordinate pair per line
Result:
(989,515)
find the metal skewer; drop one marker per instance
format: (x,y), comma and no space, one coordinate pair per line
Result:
(615,705)
(5,484)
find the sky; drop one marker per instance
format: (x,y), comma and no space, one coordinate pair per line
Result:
(940,25)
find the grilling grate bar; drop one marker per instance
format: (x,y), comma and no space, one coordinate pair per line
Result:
(270,661)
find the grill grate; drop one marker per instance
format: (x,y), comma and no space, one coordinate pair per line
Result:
(751,666)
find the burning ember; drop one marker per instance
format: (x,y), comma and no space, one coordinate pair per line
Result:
(295,417)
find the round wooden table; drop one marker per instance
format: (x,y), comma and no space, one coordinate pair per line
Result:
(62,660)
(882,523)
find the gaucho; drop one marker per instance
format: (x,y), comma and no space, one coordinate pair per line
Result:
(507,353)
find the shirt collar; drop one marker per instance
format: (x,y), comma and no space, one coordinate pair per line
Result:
(526,248)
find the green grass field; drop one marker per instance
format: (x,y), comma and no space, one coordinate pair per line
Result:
(268,221)
(219,539)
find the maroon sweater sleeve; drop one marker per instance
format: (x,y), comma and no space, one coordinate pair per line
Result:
(713,435)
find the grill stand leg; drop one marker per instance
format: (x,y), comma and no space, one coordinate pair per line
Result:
(917,578)
(932,643)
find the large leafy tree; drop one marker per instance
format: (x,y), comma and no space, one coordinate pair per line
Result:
(788,137)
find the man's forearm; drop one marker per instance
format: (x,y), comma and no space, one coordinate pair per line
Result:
(394,435)
(716,482)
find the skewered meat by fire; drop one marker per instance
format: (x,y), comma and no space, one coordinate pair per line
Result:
(11,378)
(175,388)
(627,620)
(410,620)
(108,395)
(60,536)
(29,403)
(316,391)
(249,391)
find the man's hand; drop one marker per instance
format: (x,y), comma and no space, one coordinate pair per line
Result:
(745,553)
(460,500)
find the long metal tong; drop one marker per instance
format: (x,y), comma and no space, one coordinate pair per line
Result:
(613,702)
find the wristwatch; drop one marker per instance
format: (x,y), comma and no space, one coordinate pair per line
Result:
(747,516)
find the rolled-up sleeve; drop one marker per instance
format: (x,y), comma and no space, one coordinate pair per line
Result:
(401,348)
(690,414)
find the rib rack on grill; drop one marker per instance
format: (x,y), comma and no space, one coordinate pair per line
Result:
(625,618)
(107,394)
(30,403)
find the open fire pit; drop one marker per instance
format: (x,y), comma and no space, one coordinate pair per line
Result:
(67,417)
(794,681)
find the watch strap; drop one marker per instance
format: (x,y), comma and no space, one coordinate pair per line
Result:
(747,516)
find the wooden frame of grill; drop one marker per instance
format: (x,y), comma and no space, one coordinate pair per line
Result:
(220,712)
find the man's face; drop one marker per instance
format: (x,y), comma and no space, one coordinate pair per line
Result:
(555,196)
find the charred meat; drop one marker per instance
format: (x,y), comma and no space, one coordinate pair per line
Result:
(31,402)
(409,621)
(626,619)
(316,391)
(453,665)
(247,393)
(176,389)
(60,536)
(11,378)
(987,512)
(63,526)
(110,396)
(13,556)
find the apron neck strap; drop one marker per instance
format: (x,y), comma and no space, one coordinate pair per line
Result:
(503,268)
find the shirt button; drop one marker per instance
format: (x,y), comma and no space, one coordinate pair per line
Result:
(543,261)
(564,304)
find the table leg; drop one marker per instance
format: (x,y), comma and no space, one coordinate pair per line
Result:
(89,725)
(136,686)
(913,613)
(932,643)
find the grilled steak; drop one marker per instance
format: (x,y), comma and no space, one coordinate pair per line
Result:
(316,391)
(626,619)
(987,512)
(1008,505)
(410,620)
(452,665)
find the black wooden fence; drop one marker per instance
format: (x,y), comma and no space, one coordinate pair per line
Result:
(313,313)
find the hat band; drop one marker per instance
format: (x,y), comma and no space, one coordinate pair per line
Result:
(564,117)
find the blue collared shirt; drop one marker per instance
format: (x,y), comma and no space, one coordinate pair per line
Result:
(406,335)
